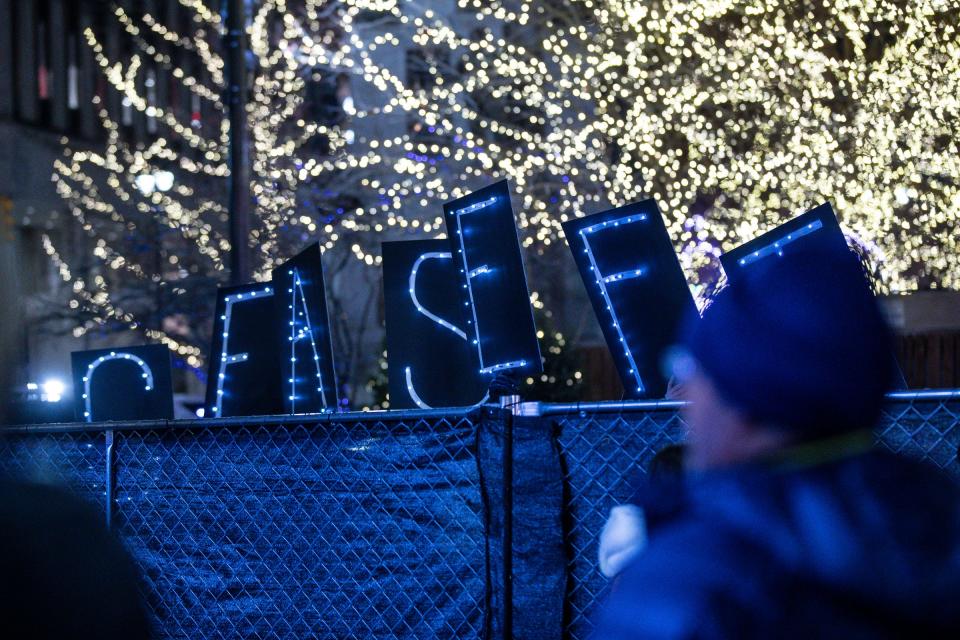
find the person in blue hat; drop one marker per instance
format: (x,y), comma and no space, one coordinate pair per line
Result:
(789,523)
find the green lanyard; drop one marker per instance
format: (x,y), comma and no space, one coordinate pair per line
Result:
(816,452)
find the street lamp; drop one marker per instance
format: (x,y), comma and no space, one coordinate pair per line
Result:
(53,389)
(147,183)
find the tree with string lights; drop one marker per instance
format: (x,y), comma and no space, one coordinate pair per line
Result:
(152,212)
(734,115)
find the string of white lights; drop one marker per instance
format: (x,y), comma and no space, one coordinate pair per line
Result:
(298,333)
(602,282)
(226,358)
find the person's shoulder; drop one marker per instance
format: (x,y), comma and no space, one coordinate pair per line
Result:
(63,569)
(47,521)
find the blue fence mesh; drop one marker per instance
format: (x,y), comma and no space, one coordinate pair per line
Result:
(356,526)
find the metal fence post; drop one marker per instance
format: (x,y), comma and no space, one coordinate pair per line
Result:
(511,406)
(508,527)
(109,476)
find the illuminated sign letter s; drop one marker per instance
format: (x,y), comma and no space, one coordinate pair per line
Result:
(430,255)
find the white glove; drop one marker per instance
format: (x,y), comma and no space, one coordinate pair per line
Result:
(623,537)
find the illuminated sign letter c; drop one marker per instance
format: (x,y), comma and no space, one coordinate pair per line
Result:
(145,373)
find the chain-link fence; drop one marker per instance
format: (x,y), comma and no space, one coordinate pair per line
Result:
(605,449)
(389,526)
(360,528)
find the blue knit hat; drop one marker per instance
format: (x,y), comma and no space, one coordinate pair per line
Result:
(798,342)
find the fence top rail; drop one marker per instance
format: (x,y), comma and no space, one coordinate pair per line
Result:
(526,408)
(545,409)
(241,421)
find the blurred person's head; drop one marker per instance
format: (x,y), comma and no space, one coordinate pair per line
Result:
(64,574)
(796,349)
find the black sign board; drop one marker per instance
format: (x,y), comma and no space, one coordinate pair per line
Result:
(308,381)
(432,361)
(636,286)
(813,230)
(485,246)
(244,368)
(124,383)
(817,228)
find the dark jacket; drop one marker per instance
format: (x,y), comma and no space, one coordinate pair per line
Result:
(861,545)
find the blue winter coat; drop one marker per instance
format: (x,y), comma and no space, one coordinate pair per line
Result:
(861,545)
